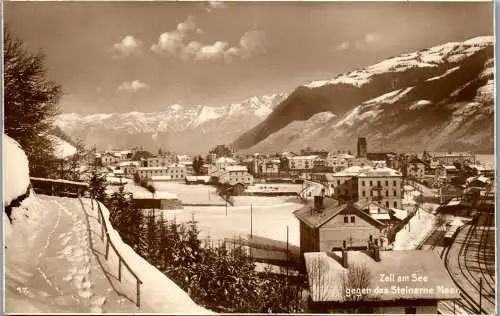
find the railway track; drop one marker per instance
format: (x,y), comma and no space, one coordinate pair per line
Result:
(482,254)
(465,268)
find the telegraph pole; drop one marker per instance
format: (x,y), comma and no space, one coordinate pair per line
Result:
(287,251)
(480,294)
(251,221)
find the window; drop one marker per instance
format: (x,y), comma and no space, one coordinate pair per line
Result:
(378,183)
(386,183)
(395,204)
(386,203)
(363,183)
(363,193)
(386,193)
(371,183)
(353,218)
(346,219)
(338,182)
(394,183)
(371,193)
(395,193)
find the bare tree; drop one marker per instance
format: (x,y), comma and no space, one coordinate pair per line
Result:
(320,279)
(356,278)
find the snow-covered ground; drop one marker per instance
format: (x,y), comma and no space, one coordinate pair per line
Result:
(54,260)
(271,216)
(410,236)
(190,193)
(16,177)
(62,148)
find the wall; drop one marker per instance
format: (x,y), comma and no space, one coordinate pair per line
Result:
(388,188)
(333,233)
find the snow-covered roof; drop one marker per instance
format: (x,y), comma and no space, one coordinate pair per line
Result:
(225,160)
(400,214)
(448,167)
(129,164)
(159,178)
(310,157)
(198,178)
(235,168)
(160,195)
(380,216)
(151,168)
(404,262)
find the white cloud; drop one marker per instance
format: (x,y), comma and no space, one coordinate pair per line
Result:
(128,46)
(215,4)
(133,86)
(343,46)
(176,43)
(173,42)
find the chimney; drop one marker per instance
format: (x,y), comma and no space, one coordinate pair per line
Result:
(376,253)
(344,257)
(318,203)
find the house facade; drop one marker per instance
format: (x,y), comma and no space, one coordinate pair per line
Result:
(109,159)
(302,162)
(158,161)
(233,175)
(415,169)
(382,186)
(175,171)
(327,224)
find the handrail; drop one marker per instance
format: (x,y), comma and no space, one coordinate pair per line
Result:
(105,231)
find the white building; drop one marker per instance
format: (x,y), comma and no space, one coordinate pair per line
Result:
(158,161)
(302,162)
(339,161)
(175,171)
(236,174)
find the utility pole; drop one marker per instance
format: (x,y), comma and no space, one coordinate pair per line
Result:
(287,251)
(251,221)
(480,294)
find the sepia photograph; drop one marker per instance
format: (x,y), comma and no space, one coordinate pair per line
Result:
(249,157)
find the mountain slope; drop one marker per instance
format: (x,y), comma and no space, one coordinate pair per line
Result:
(189,129)
(437,98)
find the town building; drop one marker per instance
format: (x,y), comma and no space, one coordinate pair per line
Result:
(158,200)
(415,169)
(444,172)
(175,171)
(368,184)
(327,224)
(158,161)
(302,162)
(129,167)
(220,164)
(233,175)
(450,158)
(339,161)
(394,282)
(109,159)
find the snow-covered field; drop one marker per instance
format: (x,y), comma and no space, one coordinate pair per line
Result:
(271,216)
(274,187)
(191,193)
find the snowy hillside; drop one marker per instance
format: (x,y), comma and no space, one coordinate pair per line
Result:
(16,176)
(176,125)
(54,260)
(439,98)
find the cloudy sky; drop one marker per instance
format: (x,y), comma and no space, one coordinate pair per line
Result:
(144,56)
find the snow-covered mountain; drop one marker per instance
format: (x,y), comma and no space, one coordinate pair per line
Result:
(438,98)
(190,129)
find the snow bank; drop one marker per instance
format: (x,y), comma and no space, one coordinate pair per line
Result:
(62,149)
(16,170)
(157,290)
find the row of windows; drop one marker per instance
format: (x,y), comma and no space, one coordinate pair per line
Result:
(394,183)
(395,193)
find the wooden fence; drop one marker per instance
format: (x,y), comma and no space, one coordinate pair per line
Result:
(121,261)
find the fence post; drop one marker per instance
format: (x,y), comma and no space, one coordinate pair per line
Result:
(138,293)
(119,268)
(107,247)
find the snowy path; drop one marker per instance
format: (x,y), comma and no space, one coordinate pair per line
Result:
(54,268)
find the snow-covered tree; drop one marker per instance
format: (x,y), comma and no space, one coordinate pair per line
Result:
(30,103)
